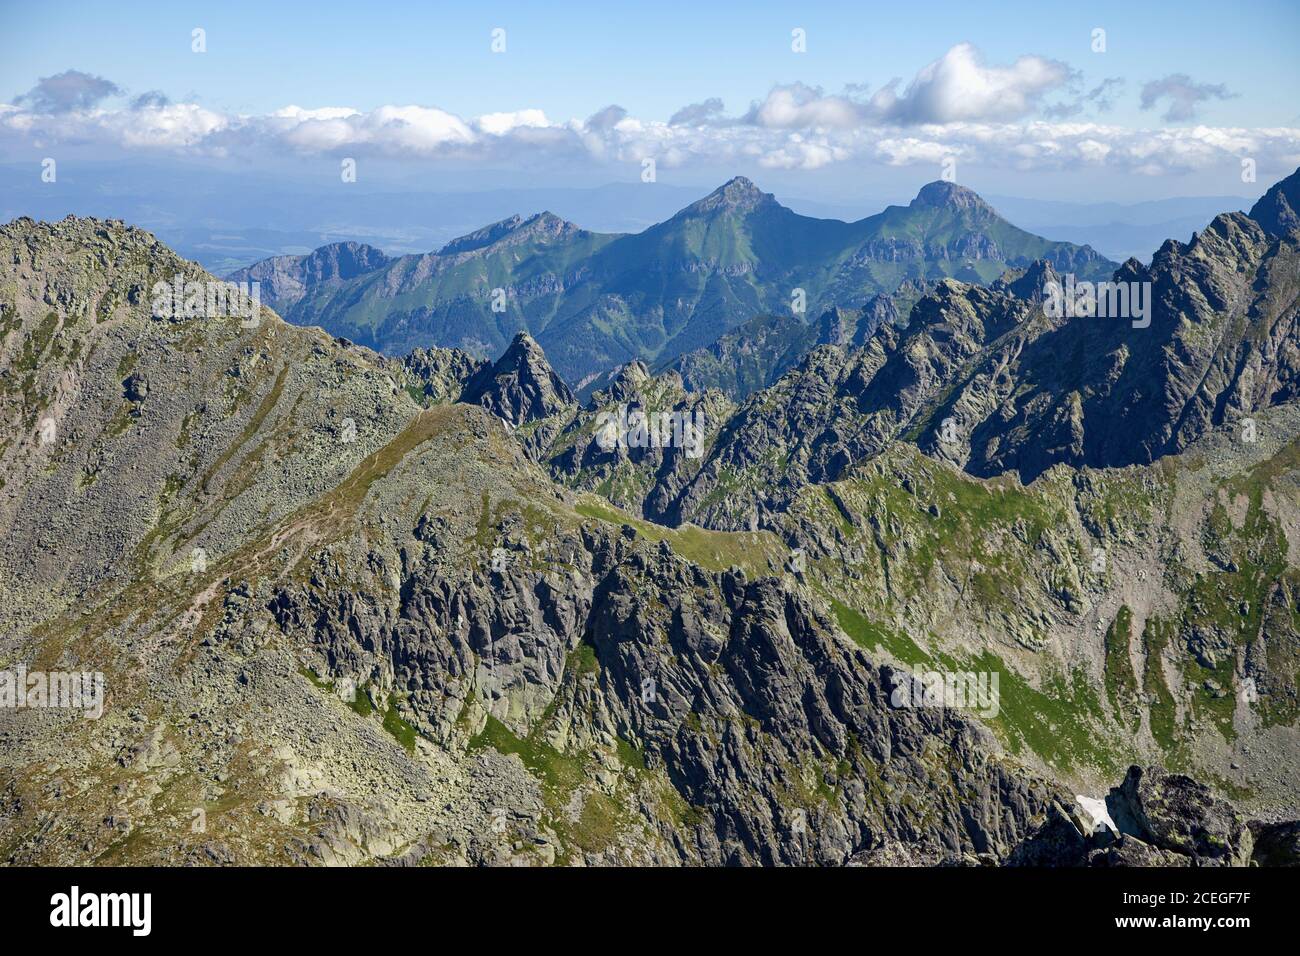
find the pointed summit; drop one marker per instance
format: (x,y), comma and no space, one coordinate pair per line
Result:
(739,194)
(521,387)
(739,188)
(627,382)
(940,194)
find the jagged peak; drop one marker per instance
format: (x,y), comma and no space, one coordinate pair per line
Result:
(520,386)
(1030,283)
(941,194)
(521,346)
(1278,210)
(546,220)
(628,381)
(633,371)
(739,187)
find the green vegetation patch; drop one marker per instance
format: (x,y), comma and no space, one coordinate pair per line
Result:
(399,728)
(715,550)
(1121,681)
(1058,723)
(872,637)
(560,772)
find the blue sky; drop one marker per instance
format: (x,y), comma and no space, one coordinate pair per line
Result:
(575,57)
(1235,65)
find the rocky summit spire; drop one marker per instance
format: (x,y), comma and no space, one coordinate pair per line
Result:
(521,387)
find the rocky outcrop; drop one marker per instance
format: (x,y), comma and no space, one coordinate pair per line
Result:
(1175,814)
(639,440)
(440,375)
(1161,819)
(1276,844)
(522,389)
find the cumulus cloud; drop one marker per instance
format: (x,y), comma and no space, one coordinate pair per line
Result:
(957,87)
(606,119)
(176,126)
(1182,94)
(960,87)
(499,124)
(954,108)
(69,90)
(410,130)
(798,106)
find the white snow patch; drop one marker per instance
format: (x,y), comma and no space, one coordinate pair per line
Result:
(1095,814)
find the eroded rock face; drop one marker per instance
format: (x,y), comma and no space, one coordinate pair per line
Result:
(1223,343)
(780,736)
(286,280)
(1278,210)
(640,440)
(440,375)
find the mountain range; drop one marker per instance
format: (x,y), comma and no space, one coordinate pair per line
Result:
(227,220)
(354,607)
(595,301)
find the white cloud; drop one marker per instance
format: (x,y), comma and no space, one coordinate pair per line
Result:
(804,107)
(910,151)
(298,114)
(176,126)
(959,87)
(498,124)
(798,153)
(955,107)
